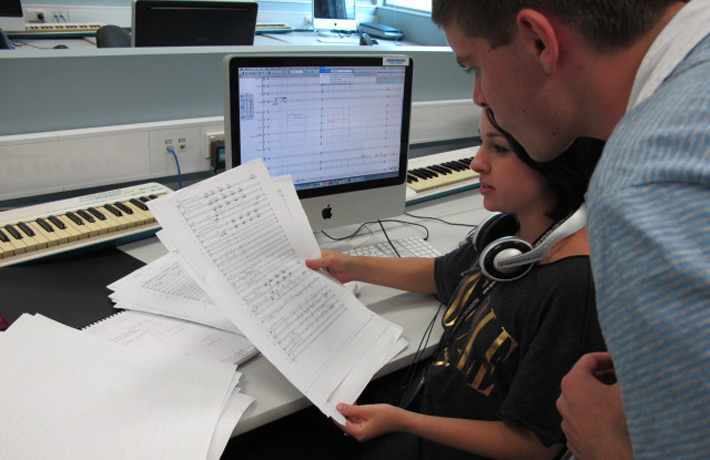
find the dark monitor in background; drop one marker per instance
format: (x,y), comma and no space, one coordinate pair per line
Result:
(339,125)
(334,15)
(193,23)
(11,15)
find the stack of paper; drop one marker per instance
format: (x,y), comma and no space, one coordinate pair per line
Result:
(68,395)
(170,336)
(178,315)
(243,237)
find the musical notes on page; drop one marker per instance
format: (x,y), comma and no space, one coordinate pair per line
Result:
(244,237)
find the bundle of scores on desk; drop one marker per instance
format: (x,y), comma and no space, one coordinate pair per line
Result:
(119,216)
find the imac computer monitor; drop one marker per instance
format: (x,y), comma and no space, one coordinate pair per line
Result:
(339,125)
(193,23)
(334,15)
(11,16)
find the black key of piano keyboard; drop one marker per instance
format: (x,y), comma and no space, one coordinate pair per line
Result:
(26,228)
(13,232)
(96,213)
(3,237)
(440,169)
(138,204)
(113,210)
(43,223)
(123,207)
(421,174)
(74,218)
(58,223)
(455,166)
(86,216)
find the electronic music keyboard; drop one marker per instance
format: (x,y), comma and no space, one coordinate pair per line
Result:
(51,228)
(440,174)
(56,30)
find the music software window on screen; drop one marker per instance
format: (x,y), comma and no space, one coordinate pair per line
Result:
(323,125)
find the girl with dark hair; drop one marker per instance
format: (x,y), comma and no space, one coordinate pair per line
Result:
(490,389)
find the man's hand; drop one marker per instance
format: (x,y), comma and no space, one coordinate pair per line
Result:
(592,412)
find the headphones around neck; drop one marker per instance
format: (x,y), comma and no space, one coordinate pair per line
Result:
(503,257)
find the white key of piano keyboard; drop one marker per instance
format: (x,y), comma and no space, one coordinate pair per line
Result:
(51,228)
(426,188)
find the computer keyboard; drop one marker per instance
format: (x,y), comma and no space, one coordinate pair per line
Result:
(414,246)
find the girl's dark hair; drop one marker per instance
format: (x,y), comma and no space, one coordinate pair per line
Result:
(568,175)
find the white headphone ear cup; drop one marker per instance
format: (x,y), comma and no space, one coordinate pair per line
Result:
(504,248)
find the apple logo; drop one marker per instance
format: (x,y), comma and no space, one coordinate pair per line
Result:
(327,212)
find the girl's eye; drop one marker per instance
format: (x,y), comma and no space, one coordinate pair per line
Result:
(500,148)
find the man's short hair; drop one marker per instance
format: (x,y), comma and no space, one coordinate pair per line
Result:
(606,24)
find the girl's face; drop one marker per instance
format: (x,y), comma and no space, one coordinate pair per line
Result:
(507,184)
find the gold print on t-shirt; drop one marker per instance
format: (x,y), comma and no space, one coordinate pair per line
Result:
(482,345)
(461,300)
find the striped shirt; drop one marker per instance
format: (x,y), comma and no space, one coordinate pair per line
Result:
(649,228)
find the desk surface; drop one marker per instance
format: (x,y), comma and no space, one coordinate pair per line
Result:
(287,39)
(275,396)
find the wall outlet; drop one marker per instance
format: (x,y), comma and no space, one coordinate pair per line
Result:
(211,137)
(58,15)
(186,142)
(35,15)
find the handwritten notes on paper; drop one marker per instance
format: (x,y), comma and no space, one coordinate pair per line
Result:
(244,237)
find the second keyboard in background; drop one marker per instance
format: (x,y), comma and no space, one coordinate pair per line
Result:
(414,246)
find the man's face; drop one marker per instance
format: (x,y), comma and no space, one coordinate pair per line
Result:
(511,82)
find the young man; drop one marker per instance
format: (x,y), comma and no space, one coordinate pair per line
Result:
(635,72)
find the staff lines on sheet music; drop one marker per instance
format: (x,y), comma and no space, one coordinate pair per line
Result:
(237,245)
(291,327)
(171,283)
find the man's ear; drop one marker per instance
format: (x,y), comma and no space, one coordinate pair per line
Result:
(538,32)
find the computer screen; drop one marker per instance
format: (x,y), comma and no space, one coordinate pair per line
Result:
(193,23)
(11,17)
(339,125)
(334,15)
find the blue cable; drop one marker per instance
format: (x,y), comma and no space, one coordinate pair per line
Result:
(177,162)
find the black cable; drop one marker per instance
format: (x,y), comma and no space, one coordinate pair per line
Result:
(438,219)
(388,238)
(352,235)
(423,342)
(410,223)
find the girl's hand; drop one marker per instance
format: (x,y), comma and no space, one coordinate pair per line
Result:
(370,421)
(339,265)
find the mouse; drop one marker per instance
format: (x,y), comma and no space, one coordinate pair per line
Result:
(61,47)
(353,286)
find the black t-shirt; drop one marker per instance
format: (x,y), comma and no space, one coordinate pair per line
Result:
(506,358)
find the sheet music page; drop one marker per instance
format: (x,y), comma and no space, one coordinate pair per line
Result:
(77,397)
(237,235)
(164,287)
(171,336)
